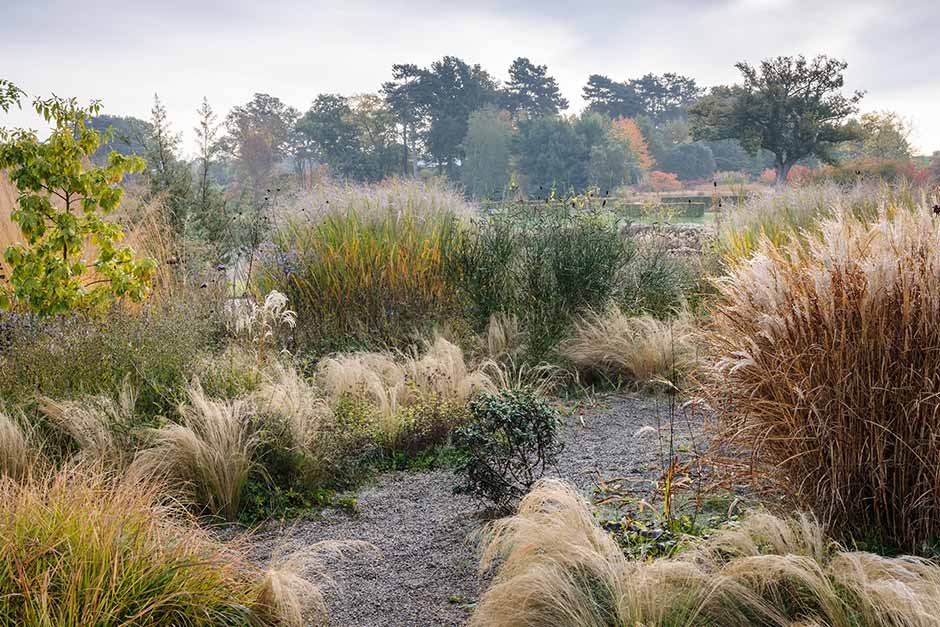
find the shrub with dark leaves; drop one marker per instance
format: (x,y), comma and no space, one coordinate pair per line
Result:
(509,441)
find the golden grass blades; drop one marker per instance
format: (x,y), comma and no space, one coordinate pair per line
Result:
(556,566)
(84,547)
(825,372)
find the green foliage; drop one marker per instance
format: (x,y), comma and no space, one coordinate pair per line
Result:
(693,161)
(485,167)
(69,356)
(543,265)
(509,441)
(531,91)
(169,177)
(61,210)
(789,106)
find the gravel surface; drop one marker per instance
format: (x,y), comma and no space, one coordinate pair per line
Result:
(425,572)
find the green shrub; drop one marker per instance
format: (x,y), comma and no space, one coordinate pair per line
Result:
(509,440)
(70,356)
(543,266)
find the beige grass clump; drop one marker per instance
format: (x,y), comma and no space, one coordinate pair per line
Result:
(557,566)
(441,373)
(388,384)
(640,348)
(825,371)
(96,422)
(285,393)
(503,338)
(15,452)
(210,452)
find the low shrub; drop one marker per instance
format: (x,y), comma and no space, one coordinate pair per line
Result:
(541,265)
(67,357)
(83,548)
(559,567)
(509,440)
(825,372)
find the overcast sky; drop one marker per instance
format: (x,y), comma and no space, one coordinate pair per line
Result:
(123,51)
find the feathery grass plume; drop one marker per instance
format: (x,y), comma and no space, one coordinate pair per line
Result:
(82,547)
(260,324)
(557,566)
(428,386)
(640,348)
(439,372)
(292,584)
(99,425)
(15,453)
(371,377)
(289,395)
(825,372)
(210,452)
(783,214)
(503,338)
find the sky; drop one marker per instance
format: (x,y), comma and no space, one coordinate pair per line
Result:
(123,52)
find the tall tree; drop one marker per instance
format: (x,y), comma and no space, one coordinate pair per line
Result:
(790,106)
(438,102)
(208,204)
(487,147)
(402,95)
(375,120)
(552,153)
(611,98)
(129,136)
(258,137)
(882,135)
(667,96)
(329,127)
(531,91)
(169,176)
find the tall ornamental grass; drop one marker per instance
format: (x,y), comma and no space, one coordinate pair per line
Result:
(781,215)
(367,269)
(827,372)
(80,547)
(557,566)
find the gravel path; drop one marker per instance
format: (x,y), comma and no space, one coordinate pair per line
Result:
(426,572)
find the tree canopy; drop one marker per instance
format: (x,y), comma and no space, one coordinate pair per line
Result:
(531,91)
(790,106)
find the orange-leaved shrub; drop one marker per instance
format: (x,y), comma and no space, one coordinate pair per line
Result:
(826,371)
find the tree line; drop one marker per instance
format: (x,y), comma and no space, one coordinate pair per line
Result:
(454,119)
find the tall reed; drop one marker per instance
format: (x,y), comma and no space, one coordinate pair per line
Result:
(826,372)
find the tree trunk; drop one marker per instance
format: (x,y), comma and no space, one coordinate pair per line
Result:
(404,143)
(783,170)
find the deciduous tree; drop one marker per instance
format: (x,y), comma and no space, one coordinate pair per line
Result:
(61,211)
(791,106)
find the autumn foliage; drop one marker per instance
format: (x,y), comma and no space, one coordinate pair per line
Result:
(626,129)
